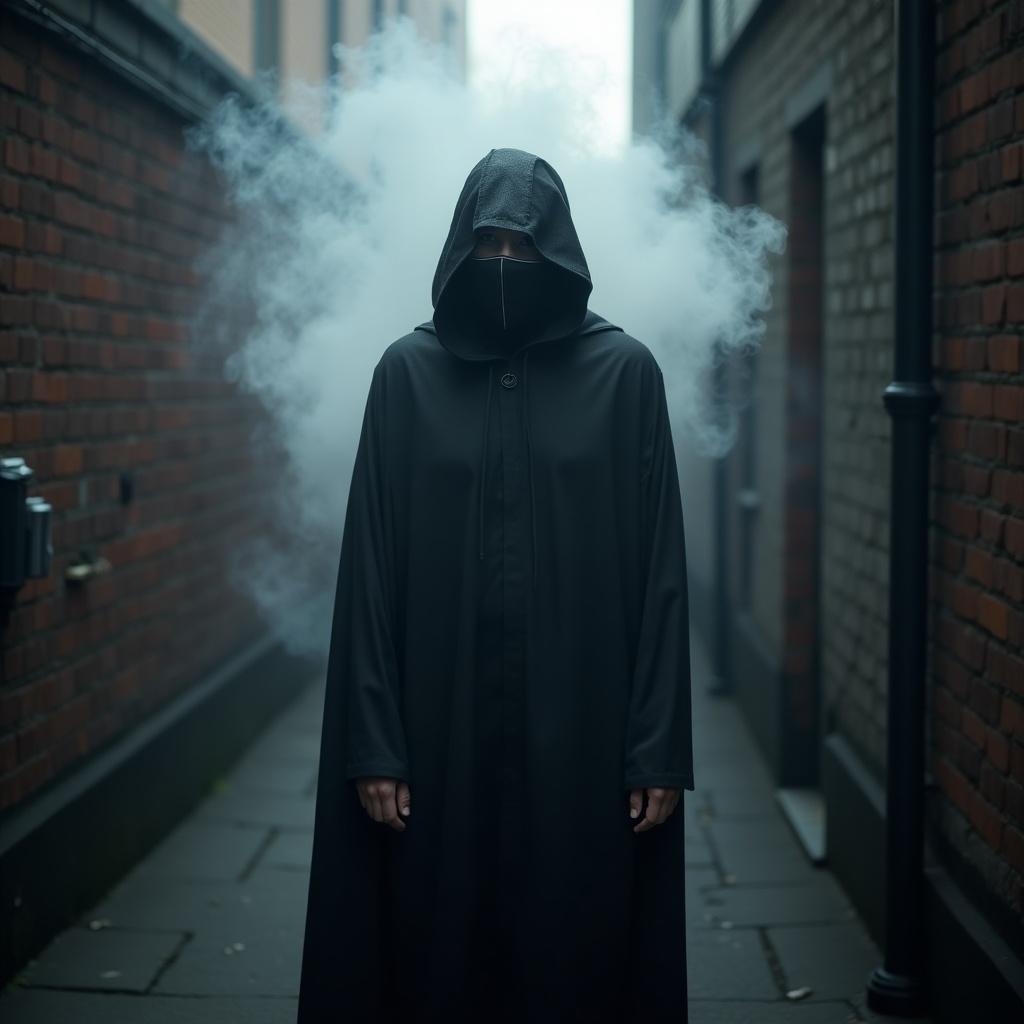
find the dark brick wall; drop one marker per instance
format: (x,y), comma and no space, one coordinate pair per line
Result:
(978,467)
(103,214)
(845,500)
(976,680)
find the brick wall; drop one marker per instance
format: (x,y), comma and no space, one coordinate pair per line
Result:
(978,469)
(977,696)
(787,51)
(103,385)
(858,367)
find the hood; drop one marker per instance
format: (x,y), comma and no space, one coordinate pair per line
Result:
(513,189)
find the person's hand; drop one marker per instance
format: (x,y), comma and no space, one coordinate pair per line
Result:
(385,800)
(661,802)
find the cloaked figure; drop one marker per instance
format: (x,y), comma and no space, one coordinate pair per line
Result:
(507,726)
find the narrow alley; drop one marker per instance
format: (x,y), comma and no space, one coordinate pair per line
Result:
(208,927)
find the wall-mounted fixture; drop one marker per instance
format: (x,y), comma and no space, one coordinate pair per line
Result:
(85,566)
(26,548)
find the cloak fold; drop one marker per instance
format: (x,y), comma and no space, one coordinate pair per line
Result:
(658,735)
(510,637)
(376,736)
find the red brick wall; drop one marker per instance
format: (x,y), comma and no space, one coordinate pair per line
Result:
(978,538)
(103,213)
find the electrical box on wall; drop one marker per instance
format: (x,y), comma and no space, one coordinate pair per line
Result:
(26,548)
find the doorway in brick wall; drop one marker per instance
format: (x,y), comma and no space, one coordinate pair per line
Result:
(799,794)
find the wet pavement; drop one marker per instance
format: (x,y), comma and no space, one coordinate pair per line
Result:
(208,927)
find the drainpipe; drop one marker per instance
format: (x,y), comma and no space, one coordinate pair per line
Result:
(897,987)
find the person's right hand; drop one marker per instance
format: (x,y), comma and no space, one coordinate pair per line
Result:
(384,799)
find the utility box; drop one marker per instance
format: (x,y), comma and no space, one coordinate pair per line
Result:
(26,547)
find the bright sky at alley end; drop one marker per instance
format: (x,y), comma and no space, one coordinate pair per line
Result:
(592,38)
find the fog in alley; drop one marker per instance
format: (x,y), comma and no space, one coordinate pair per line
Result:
(338,235)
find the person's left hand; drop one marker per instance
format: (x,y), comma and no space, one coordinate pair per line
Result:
(661,802)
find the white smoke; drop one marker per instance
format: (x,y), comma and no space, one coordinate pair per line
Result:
(336,241)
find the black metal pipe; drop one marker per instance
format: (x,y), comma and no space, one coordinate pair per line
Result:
(897,987)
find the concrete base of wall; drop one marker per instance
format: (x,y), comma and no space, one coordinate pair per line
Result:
(972,973)
(855,830)
(68,846)
(701,599)
(758,688)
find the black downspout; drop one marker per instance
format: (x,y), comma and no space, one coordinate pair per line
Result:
(897,987)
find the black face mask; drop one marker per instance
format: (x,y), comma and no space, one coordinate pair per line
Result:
(510,297)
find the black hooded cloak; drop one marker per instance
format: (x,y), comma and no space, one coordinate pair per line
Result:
(510,637)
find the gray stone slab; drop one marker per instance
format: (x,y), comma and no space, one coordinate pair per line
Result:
(111,959)
(743,801)
(291,850)
(205,850)
(697,880)
(246,808)
(722,747)
(870,1017)
(695,806)
(286,746)
(728,961)
(251,959)
(759,851)
(39,1006)
(696,837)
(698,855)
(142,901)
(782,1011)
(257,775)
(291,887)
(817,902)
(833,960)
(305,719)
(308,714)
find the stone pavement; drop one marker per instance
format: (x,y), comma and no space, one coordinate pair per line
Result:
(208,928)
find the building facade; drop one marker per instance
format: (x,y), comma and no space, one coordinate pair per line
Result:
(796,102)
(296,37)
(134,645)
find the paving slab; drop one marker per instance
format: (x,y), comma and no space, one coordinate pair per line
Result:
(697,880)
(209,927)
(731,1011)
(291,850)
(254,774)
(248,808)
(820,900)
(259,958)
(143,901)
(38,1006)
(728,961)
(834,960)
(742,801)
(111,959)
(205,850)
(761,851)
(286,747)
